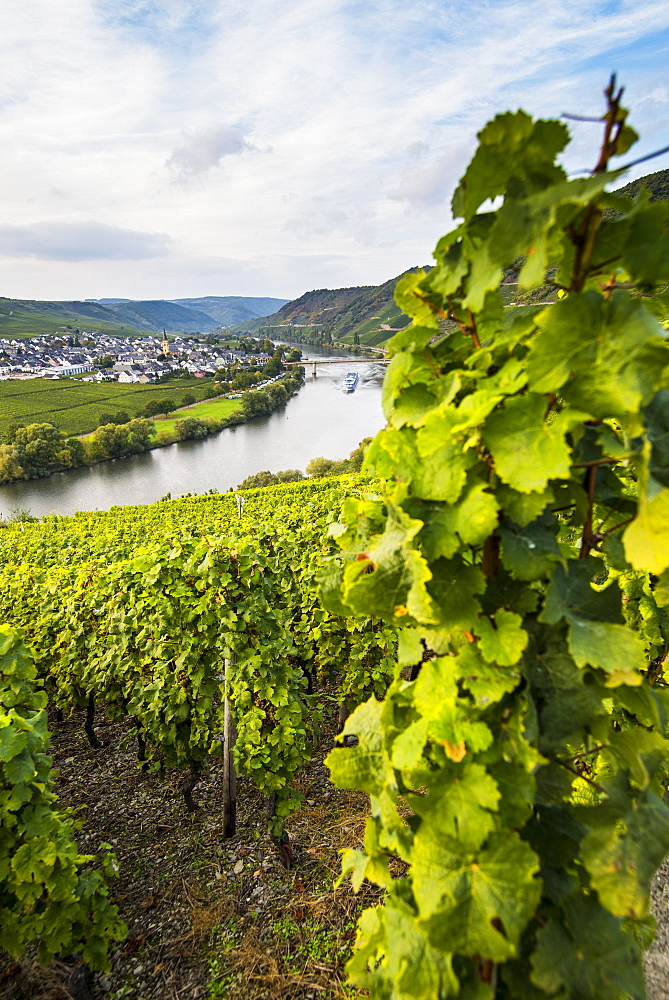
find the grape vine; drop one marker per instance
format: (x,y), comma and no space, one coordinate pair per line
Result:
(145,630)
(47,889)
(521,547)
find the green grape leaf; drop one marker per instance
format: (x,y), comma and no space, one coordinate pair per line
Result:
(649,704)
(461,803)
(606,356)
(656,420)
(407,749)
(523,507)
(394,959)
(503,640)
(439,467)
(453,263)
(410,647)
(661,590)
(364,766)
(20,768)
(529,552)
(527,453)
(646,540)
(412,406)
(467,522)
(486,682)
(627,137)
(413,300)
(646,255)
(12,741)
(389,579)
(639,752)
(517,793)
(475,903)
(436,698)
(629,840)
(613,648)
(525,225)
(589,957)
(330,579)
(35,860)
(452,587)
(405,373)
(597,633)
(571,596)
(393,449)
(484,276)
(354,863)
(511,145)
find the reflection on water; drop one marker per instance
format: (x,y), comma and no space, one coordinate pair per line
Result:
(320,420)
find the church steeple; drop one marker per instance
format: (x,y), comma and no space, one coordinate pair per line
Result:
(165,344)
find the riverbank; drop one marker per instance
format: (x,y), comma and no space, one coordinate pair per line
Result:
(41,450)
(320,420)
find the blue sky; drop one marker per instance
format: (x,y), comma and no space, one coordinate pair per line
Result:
(167,148)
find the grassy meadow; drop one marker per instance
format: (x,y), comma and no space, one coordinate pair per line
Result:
(217,408)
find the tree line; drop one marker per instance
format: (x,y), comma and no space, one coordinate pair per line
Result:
(317,468)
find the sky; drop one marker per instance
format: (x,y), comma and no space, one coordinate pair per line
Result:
(178,148)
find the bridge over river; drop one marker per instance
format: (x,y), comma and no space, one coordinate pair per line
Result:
(305,362)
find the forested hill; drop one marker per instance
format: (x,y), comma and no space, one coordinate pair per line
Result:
(656,184)
(368,314)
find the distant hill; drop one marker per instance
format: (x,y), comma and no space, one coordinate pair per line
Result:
(20,318)
(230,309)
(196,314)
(122,317)
(368,314)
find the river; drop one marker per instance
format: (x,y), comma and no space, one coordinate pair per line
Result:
(320,420)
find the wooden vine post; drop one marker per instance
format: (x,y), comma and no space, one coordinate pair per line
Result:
(229,773)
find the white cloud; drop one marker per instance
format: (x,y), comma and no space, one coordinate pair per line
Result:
(433,182)
(370,112)
(417,148)
(78,241)
(205,150)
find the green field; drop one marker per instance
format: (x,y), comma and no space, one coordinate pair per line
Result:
(218,408)
(75,407)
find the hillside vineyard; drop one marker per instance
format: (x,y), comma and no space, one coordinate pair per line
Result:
(492,594)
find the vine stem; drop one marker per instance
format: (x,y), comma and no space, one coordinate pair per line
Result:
(568,767)
(472,331)
(584,237)
(490,564)
(621,524)
(588,540)
(597,461)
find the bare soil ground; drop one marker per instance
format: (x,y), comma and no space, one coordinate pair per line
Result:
(217,919)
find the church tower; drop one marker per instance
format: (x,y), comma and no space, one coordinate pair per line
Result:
(165,344)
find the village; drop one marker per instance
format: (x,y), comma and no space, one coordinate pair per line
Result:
(99,357)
